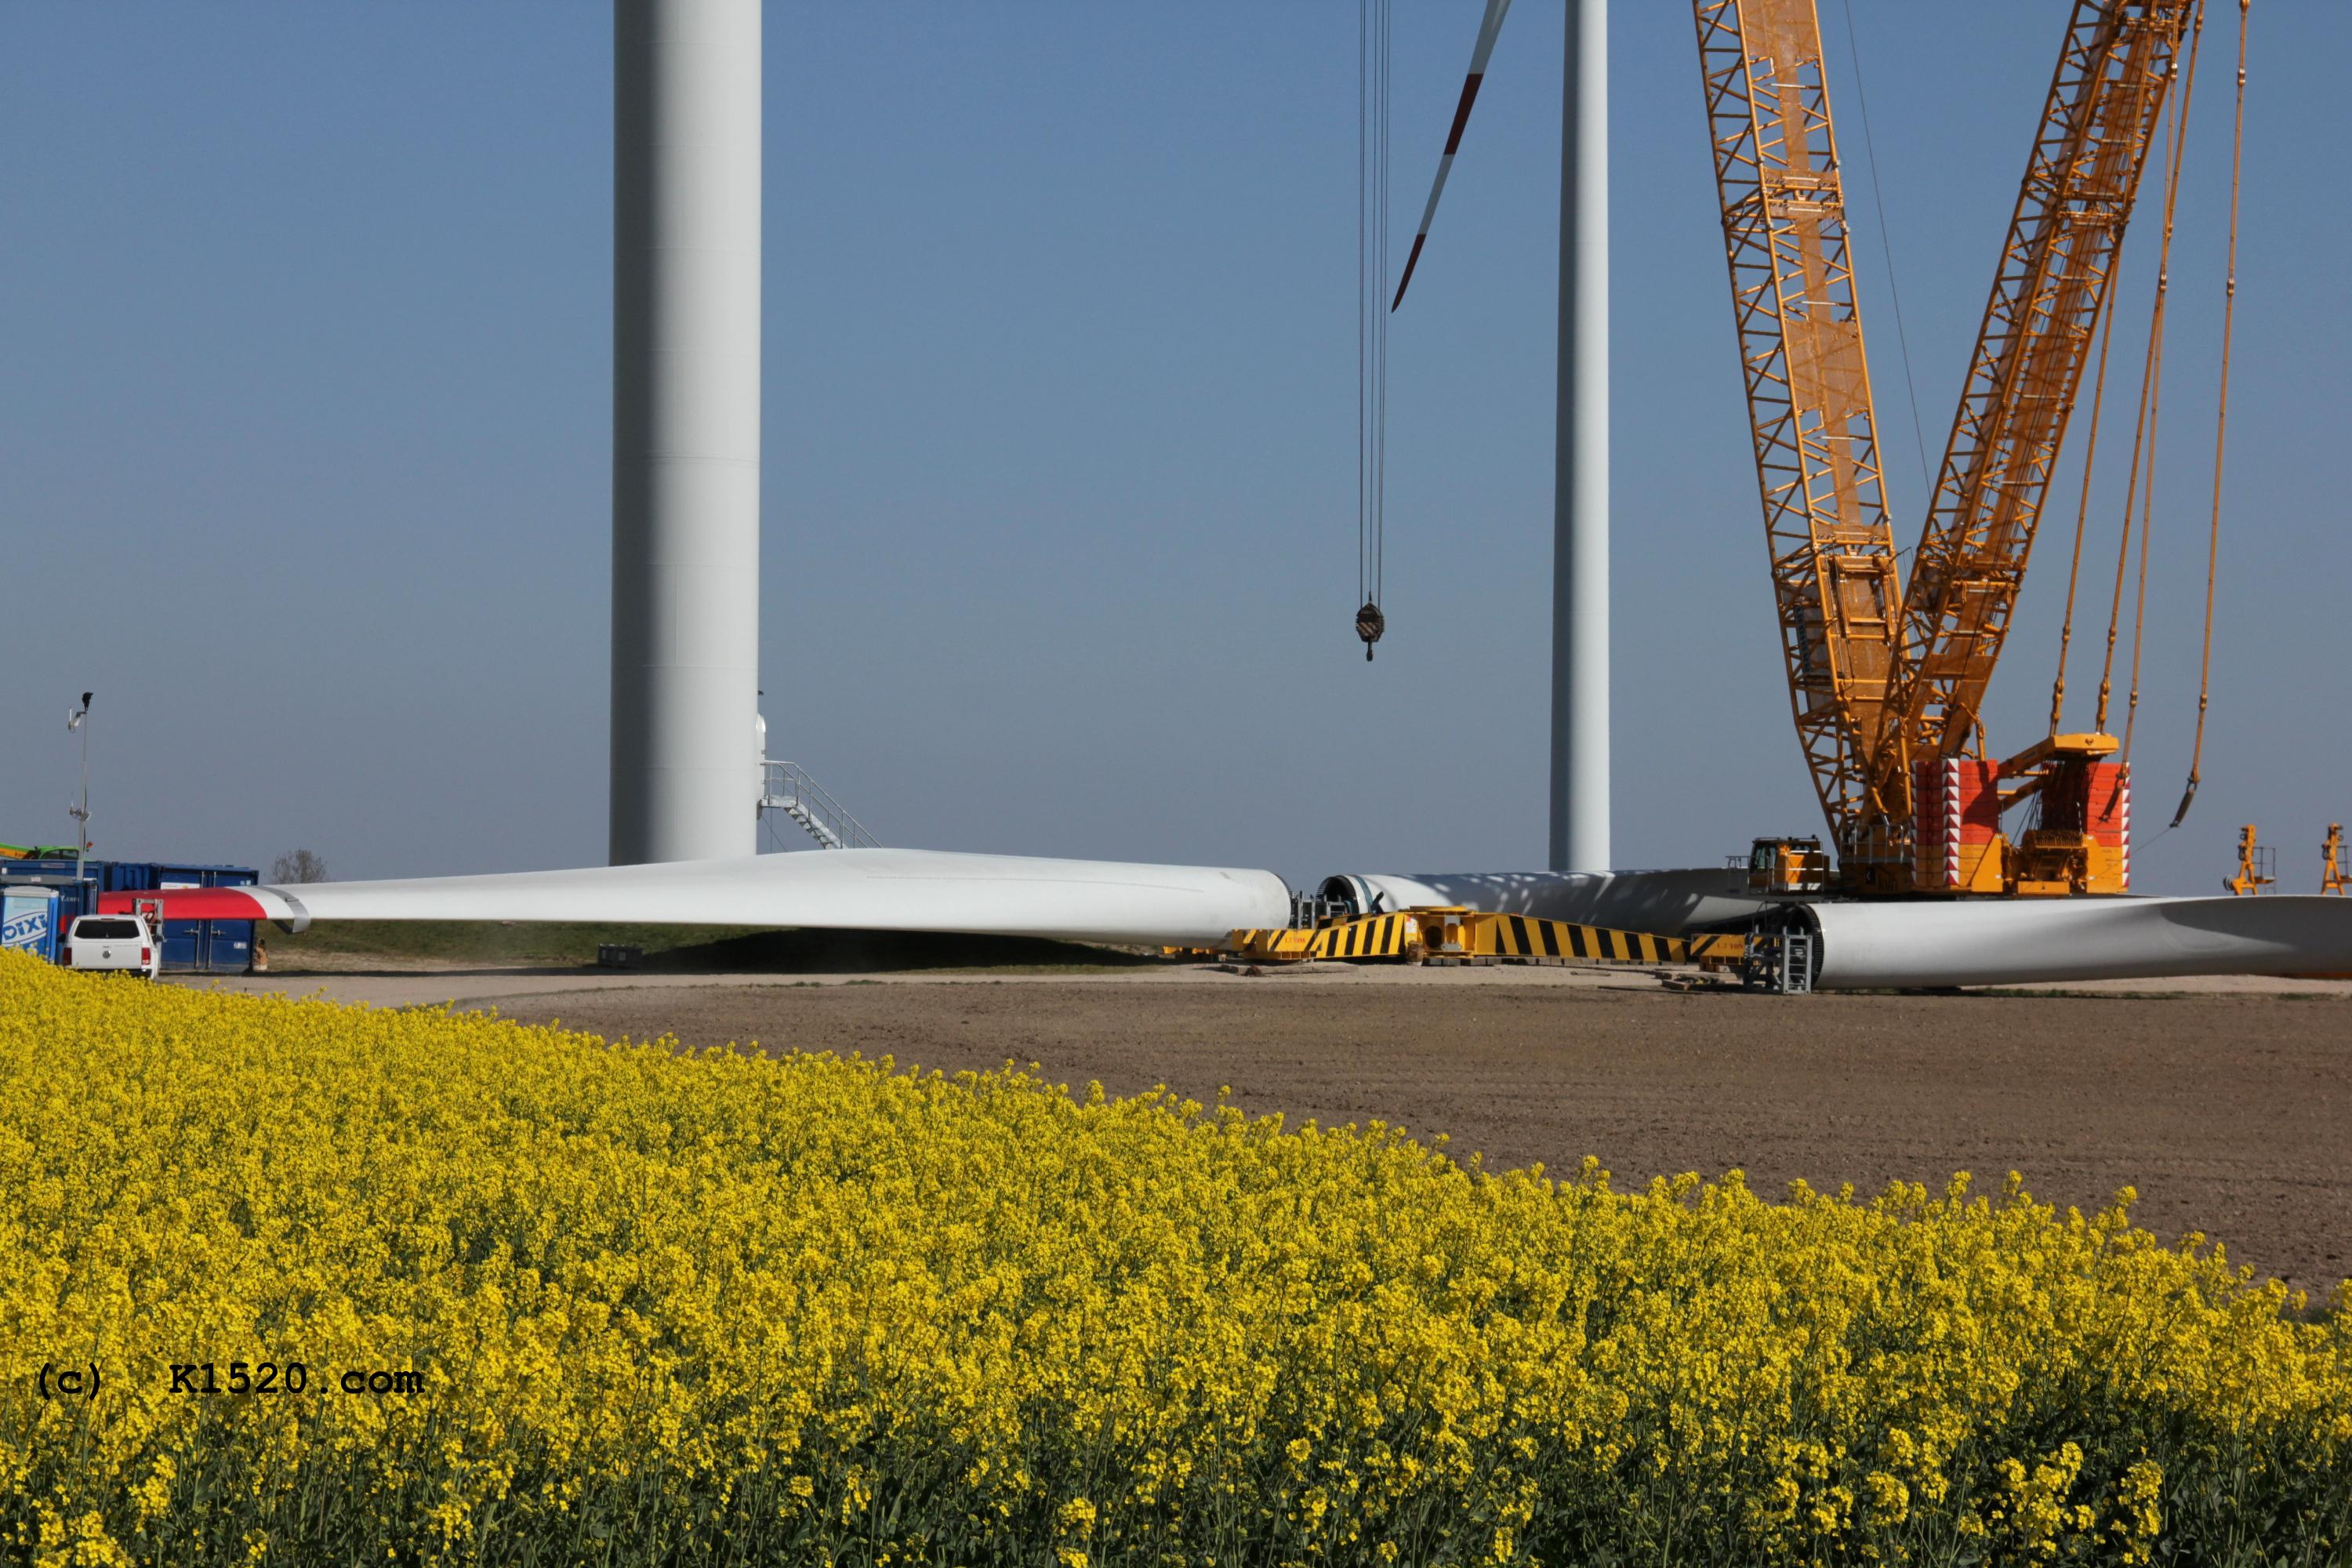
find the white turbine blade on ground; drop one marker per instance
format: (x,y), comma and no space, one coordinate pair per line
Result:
(860,889)
(1873,945)
(1491,24)
(1865,946)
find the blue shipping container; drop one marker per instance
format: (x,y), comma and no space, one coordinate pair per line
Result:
(202,947)
(55,874)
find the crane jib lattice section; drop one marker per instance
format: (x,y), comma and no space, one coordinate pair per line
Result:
(1836,578)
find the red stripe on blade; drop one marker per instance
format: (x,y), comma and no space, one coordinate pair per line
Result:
(1462,114)
(1411,260)
(189,904)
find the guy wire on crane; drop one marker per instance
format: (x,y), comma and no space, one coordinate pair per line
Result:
(2140,486)
(2221,425)
(2151,390)
(1887,678)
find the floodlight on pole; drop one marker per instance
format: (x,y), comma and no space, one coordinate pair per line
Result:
(78,719)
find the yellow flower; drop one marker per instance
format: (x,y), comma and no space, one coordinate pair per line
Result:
(651,1295)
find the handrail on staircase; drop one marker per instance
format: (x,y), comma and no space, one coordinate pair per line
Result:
(787,787)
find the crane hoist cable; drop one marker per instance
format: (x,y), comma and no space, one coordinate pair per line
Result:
(2154,387)
(1373,193)
(2220,424)
(1374,32)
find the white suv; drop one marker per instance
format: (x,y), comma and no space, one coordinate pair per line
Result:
(113,942)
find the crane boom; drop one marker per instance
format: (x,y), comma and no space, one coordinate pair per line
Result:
(1835,575)
(2065,233)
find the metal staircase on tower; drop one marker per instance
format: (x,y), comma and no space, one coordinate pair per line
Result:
(787,789)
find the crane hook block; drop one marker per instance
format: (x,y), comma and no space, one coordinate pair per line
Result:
(1369,624)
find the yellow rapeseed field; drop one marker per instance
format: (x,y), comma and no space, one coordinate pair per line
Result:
(286,1281)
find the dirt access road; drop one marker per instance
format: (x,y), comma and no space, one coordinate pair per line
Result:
(2230,1111)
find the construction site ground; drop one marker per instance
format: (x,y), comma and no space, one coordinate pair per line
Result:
(2226,1102)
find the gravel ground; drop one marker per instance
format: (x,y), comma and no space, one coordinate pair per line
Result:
(2230,1111)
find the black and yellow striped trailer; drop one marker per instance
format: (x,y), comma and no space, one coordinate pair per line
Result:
(1518,936)
(1377,936)
(1448,934)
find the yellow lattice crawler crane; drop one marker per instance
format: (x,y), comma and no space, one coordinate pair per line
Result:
(1886,679)
(2332,878)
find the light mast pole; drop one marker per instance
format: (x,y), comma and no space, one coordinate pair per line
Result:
(1580,602)
(80,720)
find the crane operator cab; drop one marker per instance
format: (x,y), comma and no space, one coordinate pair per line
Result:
(1787,866)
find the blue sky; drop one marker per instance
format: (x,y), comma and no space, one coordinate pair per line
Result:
(304,431)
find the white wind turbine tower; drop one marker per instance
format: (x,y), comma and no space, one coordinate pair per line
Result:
(686,430)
